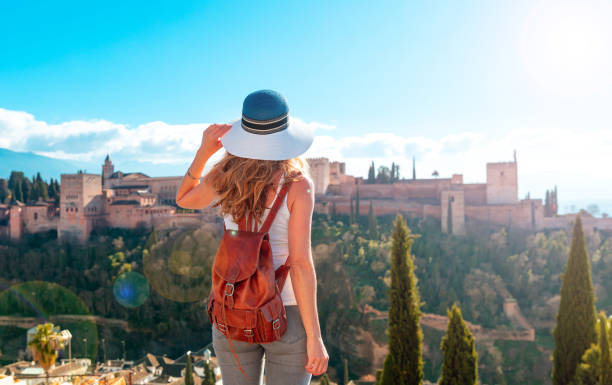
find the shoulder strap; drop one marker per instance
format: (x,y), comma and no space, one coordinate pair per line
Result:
(277,203)
(247,223)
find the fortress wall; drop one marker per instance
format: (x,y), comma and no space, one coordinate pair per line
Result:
(128,216)
(475,194)
(381,207)
(367,191)
(566,222)
(37,218)
(164,187)
(418,189)
(428,189)
(506,215)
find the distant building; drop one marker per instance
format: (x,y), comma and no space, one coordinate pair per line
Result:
(132,200)
(495,201)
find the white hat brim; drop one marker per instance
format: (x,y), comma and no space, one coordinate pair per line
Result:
(286,144)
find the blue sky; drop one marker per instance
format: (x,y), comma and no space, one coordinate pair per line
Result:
(455,84)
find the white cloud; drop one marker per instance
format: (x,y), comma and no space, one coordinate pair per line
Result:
(575,160)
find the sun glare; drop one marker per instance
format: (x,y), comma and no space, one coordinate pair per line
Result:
(565,46)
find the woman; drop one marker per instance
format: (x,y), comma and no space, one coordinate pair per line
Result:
(262,151)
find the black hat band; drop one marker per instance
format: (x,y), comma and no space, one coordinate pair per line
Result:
(264,127)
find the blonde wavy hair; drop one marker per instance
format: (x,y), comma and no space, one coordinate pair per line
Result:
(242,184)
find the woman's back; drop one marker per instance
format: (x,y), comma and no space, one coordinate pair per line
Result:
(279,238)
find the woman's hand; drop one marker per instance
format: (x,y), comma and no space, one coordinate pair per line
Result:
(211,138)
(317,356)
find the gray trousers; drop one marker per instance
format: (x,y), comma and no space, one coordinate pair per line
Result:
(284,359)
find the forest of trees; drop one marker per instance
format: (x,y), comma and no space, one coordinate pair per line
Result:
(20,188)
(384,174)
(353,266)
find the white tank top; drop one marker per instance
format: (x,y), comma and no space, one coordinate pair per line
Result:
(279,241)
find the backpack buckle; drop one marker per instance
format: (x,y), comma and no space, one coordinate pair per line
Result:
(229,289)
(248,332)
(276,324)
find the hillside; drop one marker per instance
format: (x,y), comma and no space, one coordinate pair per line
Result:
(506,282)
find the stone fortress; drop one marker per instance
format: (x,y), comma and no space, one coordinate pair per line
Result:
(494,202)
(131,200)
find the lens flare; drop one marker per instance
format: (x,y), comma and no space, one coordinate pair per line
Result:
(177,262)
(131,289)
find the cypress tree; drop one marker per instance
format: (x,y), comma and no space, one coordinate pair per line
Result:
(346,373)
(4,190)
(18,193)
(604,345)
(575,329)
(372,223)
(189,370)
(372,174)
(357,204)
(351,215)
(324,379)
(209,375)
(334,210)
(404,363)
(460,365)
(449,216)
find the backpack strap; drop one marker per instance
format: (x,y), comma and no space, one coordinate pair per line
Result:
(275,206)
(280,275)
(246,222)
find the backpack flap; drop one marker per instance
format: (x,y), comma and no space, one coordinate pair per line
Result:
(238,255)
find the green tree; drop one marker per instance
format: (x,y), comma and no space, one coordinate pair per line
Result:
(352,215)
(18,193)
(604,345)
(460,365)
(588,372)
(371,174)
(372,223)
(4,191)
(209,375)
(346,372)
(404,363)
(449,216)
(575,329)
(357,204)
(383,175)
(189,370)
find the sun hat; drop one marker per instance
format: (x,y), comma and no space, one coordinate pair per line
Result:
(266,131)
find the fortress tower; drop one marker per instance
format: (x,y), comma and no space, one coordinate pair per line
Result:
(107,170)
(320,172)
(502,183)
(80,197)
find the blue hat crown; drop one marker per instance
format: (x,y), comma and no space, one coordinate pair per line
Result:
(265,112)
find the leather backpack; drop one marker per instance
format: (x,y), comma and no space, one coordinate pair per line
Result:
(244,301)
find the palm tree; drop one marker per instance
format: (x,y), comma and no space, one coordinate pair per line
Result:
(44,346)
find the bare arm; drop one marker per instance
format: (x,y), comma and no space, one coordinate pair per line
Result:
(192,194)
(302,271)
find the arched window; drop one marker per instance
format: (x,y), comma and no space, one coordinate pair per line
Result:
(35,216)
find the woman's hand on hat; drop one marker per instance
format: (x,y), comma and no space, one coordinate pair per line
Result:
(211,138)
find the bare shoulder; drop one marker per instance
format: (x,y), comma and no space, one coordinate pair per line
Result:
(301,191)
